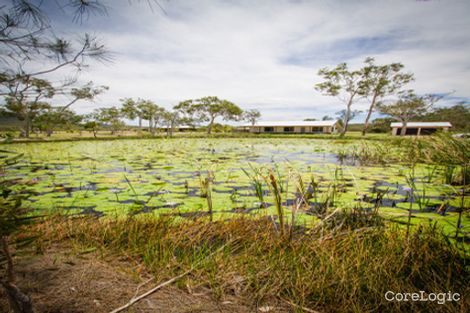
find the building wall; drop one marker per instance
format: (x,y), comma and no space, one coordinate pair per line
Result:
(296,129)
(420,130)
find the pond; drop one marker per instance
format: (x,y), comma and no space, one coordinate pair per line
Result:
(166,176)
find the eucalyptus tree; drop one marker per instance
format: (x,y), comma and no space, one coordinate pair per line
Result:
(252,116)
(150,112)
(458,115)
(31,50)
(408,106)
(380,81)
(352,114)
(110,117)
(171,119)
(131,109)
(22,97)
(26,104)
(347,85)
(207,109)
(53,118)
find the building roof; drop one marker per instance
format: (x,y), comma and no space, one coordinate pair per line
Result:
(292,123)
(422,124)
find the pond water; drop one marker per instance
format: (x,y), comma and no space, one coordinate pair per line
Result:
(166,176)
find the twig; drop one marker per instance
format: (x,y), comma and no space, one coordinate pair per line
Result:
(141,285)
(136,299)
(299,306)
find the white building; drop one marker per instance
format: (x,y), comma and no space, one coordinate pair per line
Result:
(420,128)
(293,127)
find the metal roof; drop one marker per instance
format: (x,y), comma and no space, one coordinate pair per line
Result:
(422,124)
(292,123)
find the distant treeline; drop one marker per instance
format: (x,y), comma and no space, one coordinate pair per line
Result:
(458,115)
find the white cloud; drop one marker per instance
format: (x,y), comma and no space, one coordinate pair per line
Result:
(265,54)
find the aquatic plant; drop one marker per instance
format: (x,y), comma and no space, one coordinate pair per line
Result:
(256,180)
(450,151)
(13,216)
(276,192)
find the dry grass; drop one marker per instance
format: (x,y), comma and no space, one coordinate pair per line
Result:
(349,271)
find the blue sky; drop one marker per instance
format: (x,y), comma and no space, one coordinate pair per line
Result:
(266,54)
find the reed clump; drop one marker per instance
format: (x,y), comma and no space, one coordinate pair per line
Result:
(348,271)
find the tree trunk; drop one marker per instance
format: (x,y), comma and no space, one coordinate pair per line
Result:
(211,123)
(346,117)
(27,125)
(94,133)
(155,125)
(403,129)
(150,127)
(19,302)
(140,123)
(172,127)
(371,108)
(6,251)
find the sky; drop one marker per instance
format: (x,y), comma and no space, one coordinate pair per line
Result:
(265,55)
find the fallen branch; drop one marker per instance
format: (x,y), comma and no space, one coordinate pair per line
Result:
(142,296)
(136,299)
(299,306)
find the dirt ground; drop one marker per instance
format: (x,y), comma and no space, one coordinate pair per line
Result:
(63,282)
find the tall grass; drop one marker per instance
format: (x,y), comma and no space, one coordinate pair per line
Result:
(347,271)
(455,154)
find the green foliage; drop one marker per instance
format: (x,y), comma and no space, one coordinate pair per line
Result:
(381,81)
(252,116)
(408,106)
(342,83)
(381,125)
(207,109)
(12,195)
(110,117)
(458,115)
(56,119)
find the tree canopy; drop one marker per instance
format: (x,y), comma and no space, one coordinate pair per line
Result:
(344,84)
(380,81)
(207,109)
(408,106)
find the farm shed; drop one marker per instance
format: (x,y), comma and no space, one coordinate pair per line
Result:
(420,128)
(293,127)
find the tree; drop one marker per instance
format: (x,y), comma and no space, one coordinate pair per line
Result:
(56,118)
(408,106)
(207,109)
(151,112)
(458,115)
(343,115)
(342,83)
(380,81)
(92,126)
(381,125)
(24,99)
(110,117)
(171,119)
(327,118)
(131,109)
(23,96)
(252,116)
(31,50)
(310,119)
